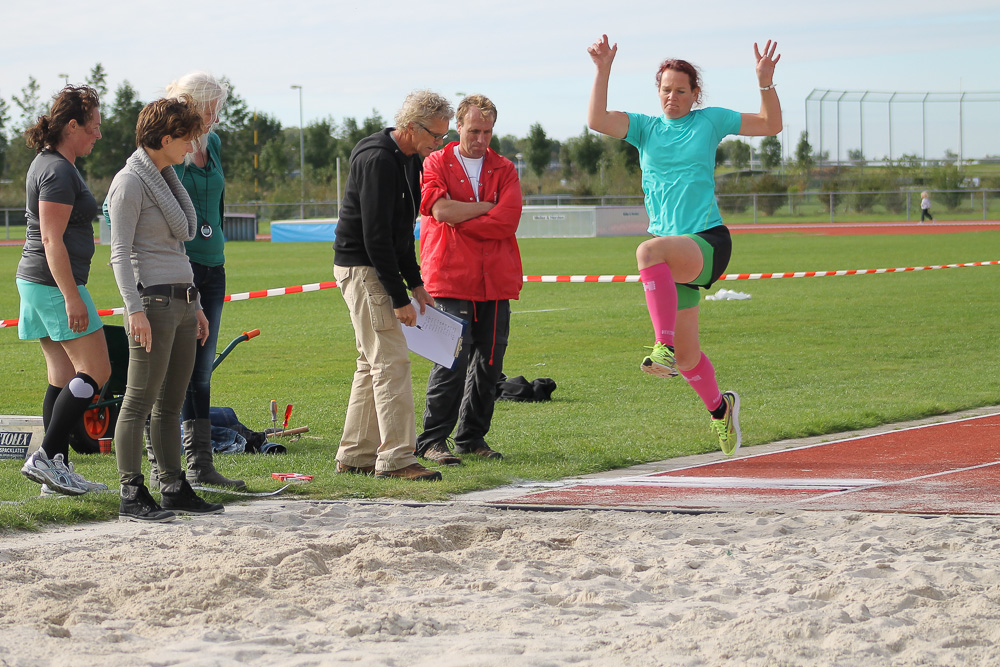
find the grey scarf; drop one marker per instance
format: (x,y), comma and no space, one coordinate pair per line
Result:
(168,193)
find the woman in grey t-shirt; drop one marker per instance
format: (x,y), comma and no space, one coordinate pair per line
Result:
(51,279)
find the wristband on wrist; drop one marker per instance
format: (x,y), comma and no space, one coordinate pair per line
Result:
(771,87)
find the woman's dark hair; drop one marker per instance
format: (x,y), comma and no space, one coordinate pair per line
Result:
(71,103)
(679,66)
(168,117)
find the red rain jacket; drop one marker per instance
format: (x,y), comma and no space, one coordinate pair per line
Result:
(477,260)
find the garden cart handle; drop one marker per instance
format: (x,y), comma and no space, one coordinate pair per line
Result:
(246,335)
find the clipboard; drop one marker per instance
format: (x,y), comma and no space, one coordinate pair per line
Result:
(437,335)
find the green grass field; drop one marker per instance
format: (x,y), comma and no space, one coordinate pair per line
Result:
(808,356)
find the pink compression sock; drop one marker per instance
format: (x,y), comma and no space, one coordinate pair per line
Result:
(661,300)
(702,380)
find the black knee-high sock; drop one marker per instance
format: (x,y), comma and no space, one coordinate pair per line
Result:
(51,394)
(67,410)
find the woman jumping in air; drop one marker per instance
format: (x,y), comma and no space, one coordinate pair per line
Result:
(692,247)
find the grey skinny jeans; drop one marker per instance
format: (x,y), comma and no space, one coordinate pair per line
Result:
(157,384)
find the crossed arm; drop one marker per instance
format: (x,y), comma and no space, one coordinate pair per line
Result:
(483,220)
(452,212)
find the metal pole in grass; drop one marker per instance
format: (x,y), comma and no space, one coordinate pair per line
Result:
(302,158)
(923,128)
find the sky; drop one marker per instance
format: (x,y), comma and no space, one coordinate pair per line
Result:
(528,56)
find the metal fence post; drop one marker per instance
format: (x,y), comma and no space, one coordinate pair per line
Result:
(831,207)
(755,208)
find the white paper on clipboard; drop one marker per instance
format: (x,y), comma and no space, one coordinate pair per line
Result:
(437,335)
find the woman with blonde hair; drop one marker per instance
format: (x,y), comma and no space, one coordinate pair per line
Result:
(202,177)
(52,274)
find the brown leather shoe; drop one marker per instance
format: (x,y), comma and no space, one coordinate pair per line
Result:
(415,472)
(441,455)
(354,470)
(480,449)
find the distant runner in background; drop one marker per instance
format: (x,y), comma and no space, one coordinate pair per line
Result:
(925,207)
(692,247)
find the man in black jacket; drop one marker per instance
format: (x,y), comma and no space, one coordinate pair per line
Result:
(374,264)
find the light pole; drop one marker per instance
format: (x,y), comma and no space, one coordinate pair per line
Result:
(302,157)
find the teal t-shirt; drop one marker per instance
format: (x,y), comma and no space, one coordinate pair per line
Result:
(207,187)
(677,157)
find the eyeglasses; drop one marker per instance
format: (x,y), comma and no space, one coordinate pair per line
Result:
(437,137)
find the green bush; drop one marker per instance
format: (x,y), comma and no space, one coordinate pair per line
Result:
(894,201)
(948,180)
(733,197)
(830,195)
(772,193)
(865,194)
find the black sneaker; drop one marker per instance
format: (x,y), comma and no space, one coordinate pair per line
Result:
(179,497)
(138,505)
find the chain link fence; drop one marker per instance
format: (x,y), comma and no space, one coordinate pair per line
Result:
(753,207)
(846,206)
(291,211)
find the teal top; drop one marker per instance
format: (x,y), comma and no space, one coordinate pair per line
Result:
(207,187)
(677,157)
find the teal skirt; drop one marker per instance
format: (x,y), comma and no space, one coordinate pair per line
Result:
(43,312)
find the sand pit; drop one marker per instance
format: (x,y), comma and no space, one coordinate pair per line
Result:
(307,583)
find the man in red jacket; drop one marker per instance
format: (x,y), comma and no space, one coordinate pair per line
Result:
(470,208)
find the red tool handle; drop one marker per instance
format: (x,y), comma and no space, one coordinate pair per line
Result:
(288,413)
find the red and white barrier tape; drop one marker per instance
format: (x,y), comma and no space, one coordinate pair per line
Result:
(754,276)
(315,287)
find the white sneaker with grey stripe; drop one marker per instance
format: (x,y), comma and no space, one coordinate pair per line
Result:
(54,473)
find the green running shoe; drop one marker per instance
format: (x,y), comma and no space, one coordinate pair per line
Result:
(660,362)
(728,428)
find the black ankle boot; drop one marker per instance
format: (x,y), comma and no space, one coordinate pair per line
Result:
(138,505)
(179,497)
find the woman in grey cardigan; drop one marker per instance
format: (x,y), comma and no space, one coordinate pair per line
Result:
(151,218)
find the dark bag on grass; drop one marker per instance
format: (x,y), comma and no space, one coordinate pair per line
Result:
(519,389)
(256,442)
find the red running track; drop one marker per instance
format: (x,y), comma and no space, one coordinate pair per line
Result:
(950,468)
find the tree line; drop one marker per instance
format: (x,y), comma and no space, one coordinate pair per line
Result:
(261,157)
(262,163)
